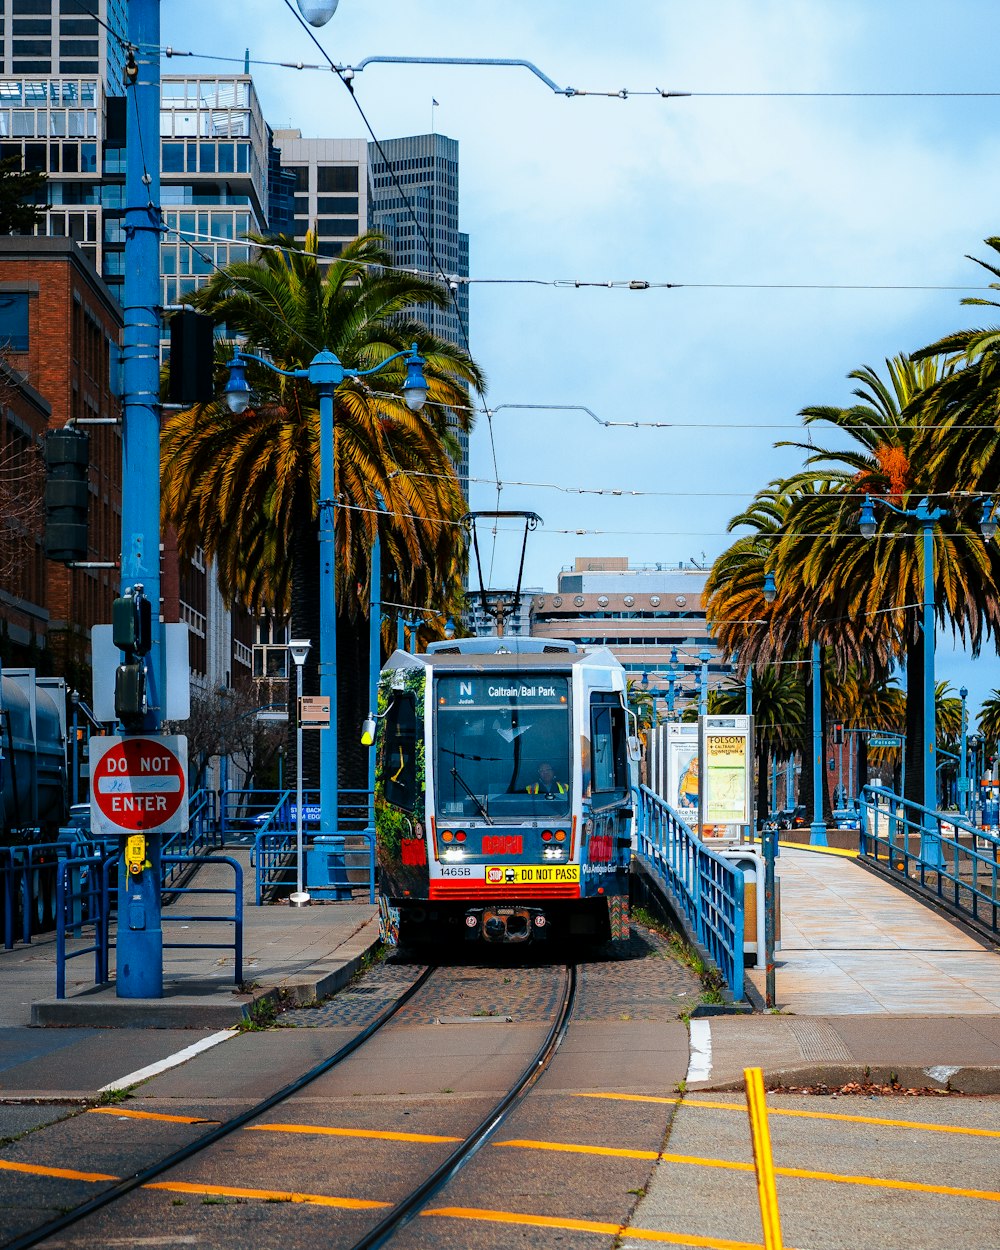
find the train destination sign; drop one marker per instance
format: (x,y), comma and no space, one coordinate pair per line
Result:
(138,785)
(533,690)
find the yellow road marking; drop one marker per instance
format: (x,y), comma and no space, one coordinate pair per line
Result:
(64,1174)
(819,850)
(609,1151)
(591,1226)
(808,1115)
(267,1195)
(349,1132)
(874,1182)
(149,1115)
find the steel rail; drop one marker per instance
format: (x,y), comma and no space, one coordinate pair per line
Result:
(405,1210)
(125,1186)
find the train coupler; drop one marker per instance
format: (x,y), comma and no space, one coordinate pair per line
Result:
(505,924)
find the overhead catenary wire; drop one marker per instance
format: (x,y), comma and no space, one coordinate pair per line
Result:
(618,93)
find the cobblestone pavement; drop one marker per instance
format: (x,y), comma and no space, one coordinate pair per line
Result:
(647,983)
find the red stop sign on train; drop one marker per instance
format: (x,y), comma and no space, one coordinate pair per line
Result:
(138,785)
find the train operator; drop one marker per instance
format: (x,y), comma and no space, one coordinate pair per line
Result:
(547,785)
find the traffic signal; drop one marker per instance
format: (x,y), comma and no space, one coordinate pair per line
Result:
(838,733)
(192,358)
(67,494)
(130,693)
(132,622)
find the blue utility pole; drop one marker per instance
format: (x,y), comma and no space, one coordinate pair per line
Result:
(374,651)
(139,957)
(963,776)
(817,830)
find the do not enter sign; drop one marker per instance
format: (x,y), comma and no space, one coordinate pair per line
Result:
(138,785)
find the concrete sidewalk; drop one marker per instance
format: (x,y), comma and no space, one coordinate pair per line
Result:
(298,953)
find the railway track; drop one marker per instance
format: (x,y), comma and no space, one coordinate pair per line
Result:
(406,1207)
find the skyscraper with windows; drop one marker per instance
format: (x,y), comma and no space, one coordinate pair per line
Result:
(414,203)
(62,110)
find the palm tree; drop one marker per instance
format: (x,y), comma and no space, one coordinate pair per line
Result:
(866,594)
(244,488)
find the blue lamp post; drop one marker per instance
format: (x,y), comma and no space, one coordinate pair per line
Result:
(326,373)
(817,830)
(926,517)
(704,656)
(963,760)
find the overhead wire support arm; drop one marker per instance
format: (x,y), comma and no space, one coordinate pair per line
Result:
(464,60)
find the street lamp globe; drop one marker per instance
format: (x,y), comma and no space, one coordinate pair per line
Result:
(237,388)
(415,386)
(317,12)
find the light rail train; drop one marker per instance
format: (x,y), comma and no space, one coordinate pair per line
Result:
(504,792)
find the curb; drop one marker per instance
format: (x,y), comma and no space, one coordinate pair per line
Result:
(960,1080)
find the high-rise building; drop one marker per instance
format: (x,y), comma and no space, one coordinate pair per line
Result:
(215,155)
(62,111)
(330,189)
(417,177)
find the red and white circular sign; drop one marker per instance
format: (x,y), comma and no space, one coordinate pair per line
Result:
(138,785)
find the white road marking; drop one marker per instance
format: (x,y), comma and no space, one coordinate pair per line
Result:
(700,1063)
(171,1061)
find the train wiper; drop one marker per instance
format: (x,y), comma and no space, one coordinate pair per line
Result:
(472,795)
(461,755)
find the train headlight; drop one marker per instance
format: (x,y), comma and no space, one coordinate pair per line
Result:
(553,852)
(452,854)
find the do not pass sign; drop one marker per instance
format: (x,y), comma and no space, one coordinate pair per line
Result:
(138,785)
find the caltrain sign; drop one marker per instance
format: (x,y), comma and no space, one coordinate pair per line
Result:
(138,785)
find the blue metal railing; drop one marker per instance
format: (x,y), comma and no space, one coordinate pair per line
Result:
(947,857)
(707,888)
(236,919)
(203,834)
(29,886)
(82,901)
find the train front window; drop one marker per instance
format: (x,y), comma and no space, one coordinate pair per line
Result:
(503,747)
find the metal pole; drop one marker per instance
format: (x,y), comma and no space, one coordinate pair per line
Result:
(300,897)
(75,700)
(705,656)
(817,830)
(963,776)
(840,772)
(374,651)
(768,841)
(325,372)
(749,689)
(139,951)
(930,846)
(400,634)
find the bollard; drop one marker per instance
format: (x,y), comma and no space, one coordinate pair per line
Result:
(760,1135)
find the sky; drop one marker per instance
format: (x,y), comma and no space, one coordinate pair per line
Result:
(736,197)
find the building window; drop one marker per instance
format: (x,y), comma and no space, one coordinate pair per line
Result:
(337,178)
(14,321)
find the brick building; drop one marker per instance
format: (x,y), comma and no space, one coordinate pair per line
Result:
(59,333)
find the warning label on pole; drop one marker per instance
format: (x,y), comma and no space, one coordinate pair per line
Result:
(138,785)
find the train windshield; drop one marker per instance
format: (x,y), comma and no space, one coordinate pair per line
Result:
(503,747)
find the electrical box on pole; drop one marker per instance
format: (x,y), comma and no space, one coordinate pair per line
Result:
(67,494)
(192,358)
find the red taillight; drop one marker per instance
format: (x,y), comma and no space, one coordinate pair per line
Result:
(460,836)
(547,835)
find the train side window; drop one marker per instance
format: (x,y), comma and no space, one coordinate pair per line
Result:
(399,751)
(608,747)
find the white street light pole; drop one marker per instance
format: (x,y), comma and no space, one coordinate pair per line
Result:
(299,647)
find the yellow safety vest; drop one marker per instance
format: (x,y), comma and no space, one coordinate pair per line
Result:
(536,788)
